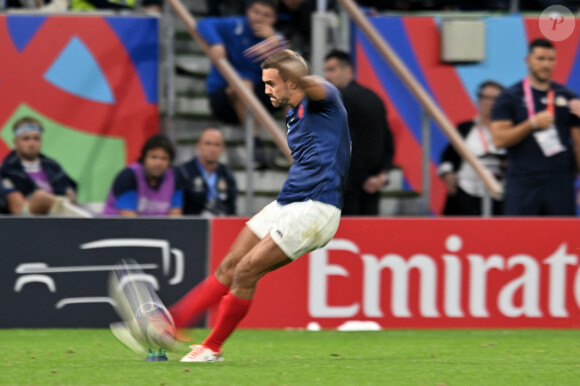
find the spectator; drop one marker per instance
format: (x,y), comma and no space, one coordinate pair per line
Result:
(532,119)
(465,189)
(147,187)
(33,183)
(372,141)
(230,37)
(295,23)
(209,186)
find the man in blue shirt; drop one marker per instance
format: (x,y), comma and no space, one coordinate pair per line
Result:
(533,120)
(305,215)
(230,37)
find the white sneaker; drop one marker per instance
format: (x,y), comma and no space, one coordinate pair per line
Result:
(201,353)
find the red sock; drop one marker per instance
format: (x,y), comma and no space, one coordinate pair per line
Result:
(232,311)
(197,300)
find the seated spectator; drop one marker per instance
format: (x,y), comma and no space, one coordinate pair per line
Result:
(33,183)
(230,37)
(209,186)
(465,188)
(147,187)
(372,140)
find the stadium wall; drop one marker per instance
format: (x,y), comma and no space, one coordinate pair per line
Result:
(55,271)
(424,273)
(387,273)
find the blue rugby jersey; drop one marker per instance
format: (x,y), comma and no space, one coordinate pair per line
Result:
(319,139)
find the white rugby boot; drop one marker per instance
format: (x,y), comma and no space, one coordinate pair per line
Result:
(201,353)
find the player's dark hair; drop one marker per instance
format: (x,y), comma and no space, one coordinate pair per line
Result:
(268,3)
(342,57)
(274,61)
(158,141)
(489,83)
(540,42)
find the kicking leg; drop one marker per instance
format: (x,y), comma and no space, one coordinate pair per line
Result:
(263,258)
(214,287)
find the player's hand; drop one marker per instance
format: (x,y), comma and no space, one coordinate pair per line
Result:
(263,30)
(544,119)
(450,180)
(217,51)
(574,106)
(375,183)
(259,52)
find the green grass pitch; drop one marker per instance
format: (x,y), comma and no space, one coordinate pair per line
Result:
(268,357)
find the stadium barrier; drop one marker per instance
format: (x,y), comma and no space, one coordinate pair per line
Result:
(388,273)
(424,273)
(55,271)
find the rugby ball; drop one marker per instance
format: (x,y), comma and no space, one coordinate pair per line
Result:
(155,325)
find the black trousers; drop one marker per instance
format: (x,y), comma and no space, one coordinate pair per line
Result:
(546,195)
(360,203)
(464,204)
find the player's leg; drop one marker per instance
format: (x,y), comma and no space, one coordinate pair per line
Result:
(215,286)
(263,258)
(287,232)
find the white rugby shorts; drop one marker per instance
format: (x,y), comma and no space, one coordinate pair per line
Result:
(297,228)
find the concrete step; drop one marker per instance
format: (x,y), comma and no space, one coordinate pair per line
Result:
(184,44)
(193,64)
(189,130)
(234,156)
(273,179)
(192,106)
(389,206)
(196,6)
(185,84)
